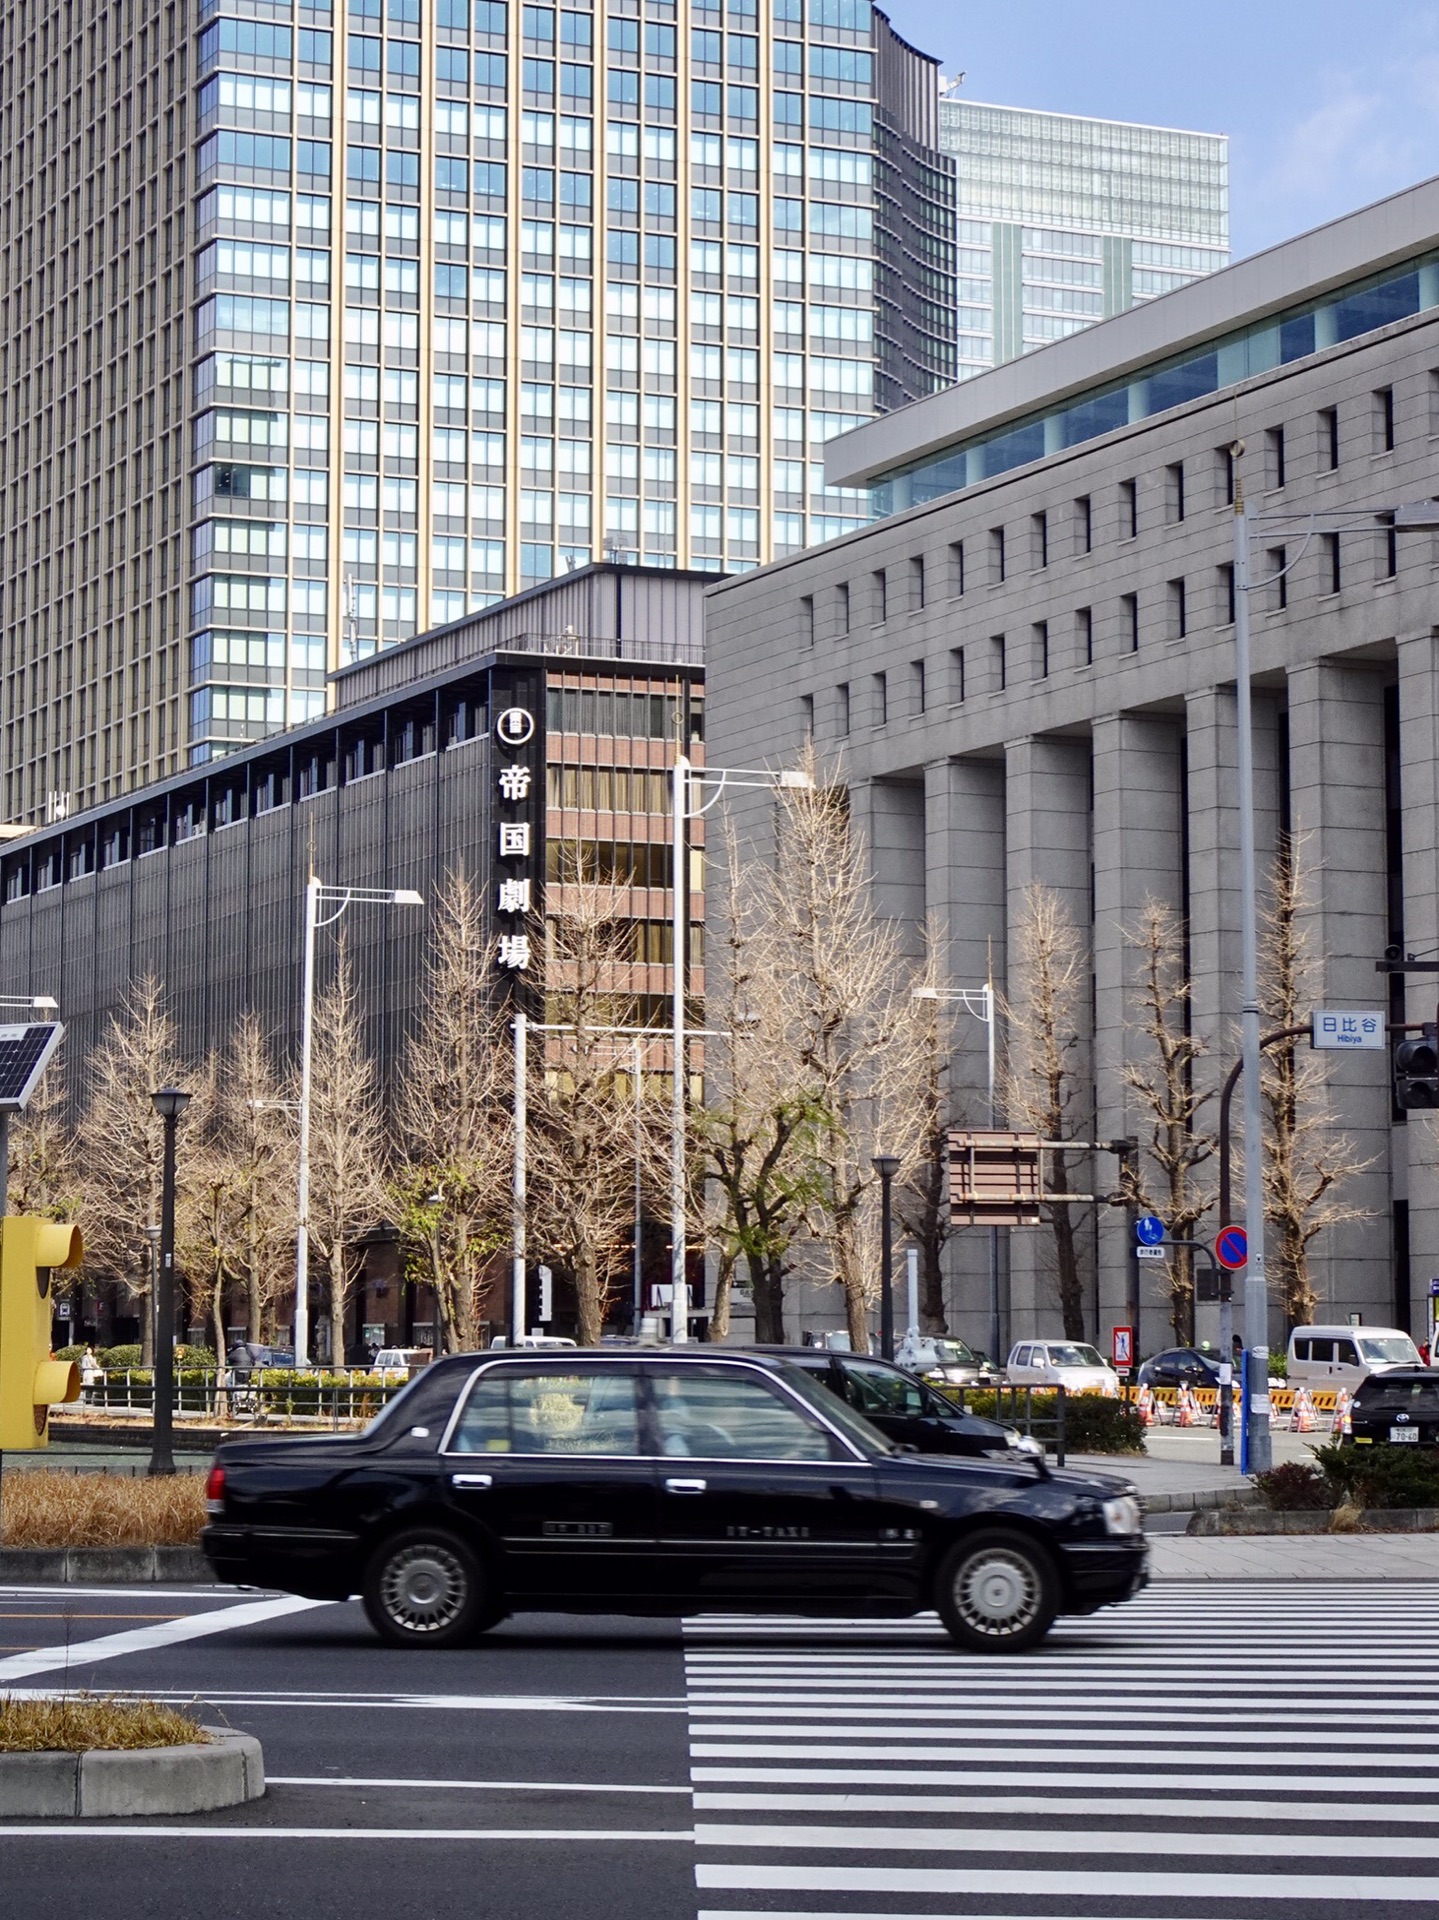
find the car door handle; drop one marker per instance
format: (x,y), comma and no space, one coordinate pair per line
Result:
(685,1486)
(472,1479)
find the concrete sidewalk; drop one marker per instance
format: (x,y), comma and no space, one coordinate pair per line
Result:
(1179,1469)
(1339,1557)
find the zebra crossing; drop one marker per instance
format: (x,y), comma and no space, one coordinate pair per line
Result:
(1212,1752)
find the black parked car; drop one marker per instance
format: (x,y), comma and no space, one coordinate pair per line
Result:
(1398,1406)
(1180,1367)
(659,1483)
(903,1407)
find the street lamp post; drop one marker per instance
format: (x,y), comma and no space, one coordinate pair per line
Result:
(317,894)
(169,1103)
(886,1165)
(686,778)
(1421,517)
(979,1001)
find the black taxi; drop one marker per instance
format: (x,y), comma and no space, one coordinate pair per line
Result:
(668,1482)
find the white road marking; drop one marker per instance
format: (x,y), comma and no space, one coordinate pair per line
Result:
(492,1786)
(1247,1888)
(135,1590)
(1416,1782)
(1040,1729)
(997,1804)
(65,1832)
(1235,1846)
(426,1702)
(1403,1764)
(83,1654)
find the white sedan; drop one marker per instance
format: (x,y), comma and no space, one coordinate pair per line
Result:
(1061,1363)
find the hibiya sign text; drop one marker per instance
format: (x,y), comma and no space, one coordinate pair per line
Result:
(515,777)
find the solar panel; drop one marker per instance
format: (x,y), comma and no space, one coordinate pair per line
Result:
(24,1054)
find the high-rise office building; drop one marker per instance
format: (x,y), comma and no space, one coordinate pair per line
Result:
(1063,221)
(323,325)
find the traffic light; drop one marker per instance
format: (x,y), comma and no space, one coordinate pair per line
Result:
(1416,1071)
(30,1381)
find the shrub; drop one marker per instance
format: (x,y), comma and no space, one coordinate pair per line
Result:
(199,1357)
(1093,1423)
(69,1353)
(1382,1476)
(1279,1365)
(119,1356)
(87,1723)
(1296,1487)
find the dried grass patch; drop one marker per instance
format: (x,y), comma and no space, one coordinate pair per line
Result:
(44,1509)
(85,1723)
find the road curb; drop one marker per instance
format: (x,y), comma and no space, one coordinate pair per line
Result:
(149,1780)
(1201,1500)
(1263,1520)
(73,1566)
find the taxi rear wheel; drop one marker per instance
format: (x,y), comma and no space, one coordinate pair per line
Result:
(997,1592)
(425,1588)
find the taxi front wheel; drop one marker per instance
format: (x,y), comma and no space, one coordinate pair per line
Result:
(997,1592)
(426,1588)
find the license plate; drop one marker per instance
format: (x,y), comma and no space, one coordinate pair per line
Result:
(1401,1436)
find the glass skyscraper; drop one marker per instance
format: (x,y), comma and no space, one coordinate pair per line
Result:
(1063,221)
(321,325)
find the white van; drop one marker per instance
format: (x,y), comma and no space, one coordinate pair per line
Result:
(1061,1363)
(1343,1356)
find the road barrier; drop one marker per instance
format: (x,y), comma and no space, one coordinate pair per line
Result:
(334,1397)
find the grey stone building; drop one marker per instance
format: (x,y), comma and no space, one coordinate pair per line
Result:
(1024,671)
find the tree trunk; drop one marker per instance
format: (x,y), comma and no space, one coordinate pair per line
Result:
(147,1327)
(717,1326)
(254,1300)
(931,1290)
(587,1295)
(338,1303)
(766,1277)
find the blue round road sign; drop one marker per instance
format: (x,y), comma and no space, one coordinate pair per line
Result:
(1231,1249)
(1149,1230)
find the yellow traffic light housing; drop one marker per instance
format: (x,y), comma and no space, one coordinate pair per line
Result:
(31,1382)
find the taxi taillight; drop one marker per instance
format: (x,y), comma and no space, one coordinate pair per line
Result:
(215,1490)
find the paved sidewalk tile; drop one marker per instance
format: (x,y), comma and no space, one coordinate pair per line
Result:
(1370,1556)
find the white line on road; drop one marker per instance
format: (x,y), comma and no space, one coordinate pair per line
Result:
(1234,1846)
(493,1786)
(113,1830)
(1249,1888)
(81,1654)
(1143,1775)
(1058,1735)
(422,1702)
(996,1804)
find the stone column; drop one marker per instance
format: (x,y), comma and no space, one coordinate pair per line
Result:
(1337,807)
(1138,852)
(1047,808)
(1416,1143)
(889,816)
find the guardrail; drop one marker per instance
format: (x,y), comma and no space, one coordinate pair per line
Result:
(332,1398)
(1014,1407)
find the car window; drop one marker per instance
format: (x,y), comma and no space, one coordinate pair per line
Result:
(588,1410)
(872,1389)
(1074,1356)
(1396,1351)
(953,1353)
(1345,1354)
(1301,1350)
(1021,1357)
(730,1416)
(1321,1350)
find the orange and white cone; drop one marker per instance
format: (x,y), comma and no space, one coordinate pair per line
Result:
(1145,1407)
(1304,1419)
(1184,1408)
(1342,1423)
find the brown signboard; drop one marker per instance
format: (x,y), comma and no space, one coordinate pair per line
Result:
(995,1179)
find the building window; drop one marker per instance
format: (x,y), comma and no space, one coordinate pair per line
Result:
(1129,606)
(956,676)
(880,584)
(956,568)
(1128,509)
(1384,420)
(1039,533)
(1274,467)
(999,662)
(1391,553)
(1224,466)
(806,716)
(842,703)
(1041,648)
(916,582)
(996,554)
(916,676)
(1278,579)
(1174,492)
(806,619)
(1226,592)
(841,595)
(1178,610)
(1083,525)
(1329,438)
(1084,635)
(1331,555)
(881,699)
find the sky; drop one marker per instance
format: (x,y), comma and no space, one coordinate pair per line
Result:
(1328,104)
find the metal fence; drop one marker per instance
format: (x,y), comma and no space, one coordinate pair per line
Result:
(274,1396)
(1015,1407)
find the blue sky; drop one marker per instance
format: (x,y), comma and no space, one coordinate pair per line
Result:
(1328,104)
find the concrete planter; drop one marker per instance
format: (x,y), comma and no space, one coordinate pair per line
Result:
(104,1566)
(1256,1520)
(150,1780)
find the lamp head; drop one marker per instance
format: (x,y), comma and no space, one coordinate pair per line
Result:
(886,1165)
(793,777)
(43,1003)
(170,1102)
(406,897)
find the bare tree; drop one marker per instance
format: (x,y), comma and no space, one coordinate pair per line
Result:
(581,1139)
(758,1127)
(1307,1159)
(455,1117)
(44,1167)
(120,1141)
(347,1142)
(1163,1081)
(1045,1089)
(922,1200)
(851,1026)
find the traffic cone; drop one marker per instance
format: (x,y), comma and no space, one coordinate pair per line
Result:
(1184,1408)
(1304,1420)
(1145,1407)
(1342,1423)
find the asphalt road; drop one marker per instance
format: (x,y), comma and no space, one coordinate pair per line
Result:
(1243,1752)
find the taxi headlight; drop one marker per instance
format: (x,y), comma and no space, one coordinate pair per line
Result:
(1122,1515)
